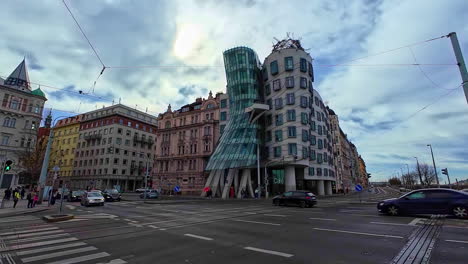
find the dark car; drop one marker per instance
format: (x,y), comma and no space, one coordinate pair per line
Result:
(75,196)
(301,198)
(111,195)
(427,201)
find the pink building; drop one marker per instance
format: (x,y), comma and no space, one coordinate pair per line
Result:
(186,139)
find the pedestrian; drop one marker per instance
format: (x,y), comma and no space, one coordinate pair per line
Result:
(8,193)
(242,193)
(210,194)
(256,193)
(231,192)
(29,197)
(16,197)
(35,199)
(23,191)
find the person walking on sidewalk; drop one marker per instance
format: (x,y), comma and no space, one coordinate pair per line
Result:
(7,194)
(16,197)
(35,199)
(29,197)
(23,191)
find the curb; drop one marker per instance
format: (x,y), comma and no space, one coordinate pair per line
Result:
(57,218)
(23,213)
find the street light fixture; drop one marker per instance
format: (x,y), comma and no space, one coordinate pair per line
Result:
(435,169)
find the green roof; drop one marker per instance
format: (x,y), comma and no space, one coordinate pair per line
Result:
(39,92)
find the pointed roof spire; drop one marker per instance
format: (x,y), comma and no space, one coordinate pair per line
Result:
(19,78)
(48,120)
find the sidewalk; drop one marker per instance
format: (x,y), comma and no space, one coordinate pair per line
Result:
(22,208)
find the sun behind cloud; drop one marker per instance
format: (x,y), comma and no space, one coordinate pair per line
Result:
(187,40)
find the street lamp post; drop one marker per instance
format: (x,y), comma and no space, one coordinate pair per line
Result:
(407,167)
(435,169)
(419,171)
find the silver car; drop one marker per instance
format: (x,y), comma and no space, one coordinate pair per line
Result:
(92,198)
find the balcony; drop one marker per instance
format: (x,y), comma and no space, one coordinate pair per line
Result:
(95,136)
(143,140)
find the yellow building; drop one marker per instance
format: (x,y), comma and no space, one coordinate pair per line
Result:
(363,172)
(62,154)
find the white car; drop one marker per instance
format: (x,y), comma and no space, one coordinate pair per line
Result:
(92,198)
(140,190)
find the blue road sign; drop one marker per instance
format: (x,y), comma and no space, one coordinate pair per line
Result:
(358,187)
(176,189)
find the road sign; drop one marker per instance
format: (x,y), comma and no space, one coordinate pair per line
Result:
(56,168)
(358,187)
(176,189)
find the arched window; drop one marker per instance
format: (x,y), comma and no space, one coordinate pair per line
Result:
(13,122)
(6,122)
(209,106)
(30,108)
(168,124)
(36,109)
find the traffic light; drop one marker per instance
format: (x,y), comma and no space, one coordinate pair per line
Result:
(445,171)
(8,165)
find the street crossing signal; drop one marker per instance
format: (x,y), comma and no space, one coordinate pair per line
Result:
(445,171)
(8,165)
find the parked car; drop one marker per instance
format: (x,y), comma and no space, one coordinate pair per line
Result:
(75,196)
(150,194)
(92,198)
(111,195)
(301,198)
(427,201)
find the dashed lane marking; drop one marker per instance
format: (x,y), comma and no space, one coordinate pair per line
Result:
(323,219)
(387,223)
(275,215)
(286,255)
(199,237)
(356,233)
(457,241)
(255,222)
(152,226)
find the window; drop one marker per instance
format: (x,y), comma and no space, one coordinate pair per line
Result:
(290,99)
(305,152)
(312,154)
(292,149)
(269,120)
(279,119)
(265,73)
(311,171)
(223,116)
(313,126)
(292,131)
(276,85)
(303,65)
(319,129)
(319,158)
(128,133)
(313,140)
(304,118)
(311,87)
(267,89)
(127,142)
(289,82)
(278,103)
(304,101)
(130,124)
(5,140)
(303,82)
(6,122)
(288,63)
(278,135)
(111,130)
(223,103)
(325,158)
(320,144)
(221,128)
(416,195)
(274,67)
(441,194)
(291,115)
(269,103)
(277,151)
(268,136)
(305,135)
(311,71)
(319,172)
(316,101)
(118,141)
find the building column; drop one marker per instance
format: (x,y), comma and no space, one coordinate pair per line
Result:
(328,187)
(126,185)
(321,187)
(290,178)
(134,185)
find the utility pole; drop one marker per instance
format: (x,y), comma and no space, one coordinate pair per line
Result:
(460,61)
(407,167)
(258,169)
(435,169)
(45,165)
(419,171)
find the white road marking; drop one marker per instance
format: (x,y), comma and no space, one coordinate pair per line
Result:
(172,211)
(323,219)
(250,213)
(275,215)
(255,222)
(356,233)
(415,221)
(135,225)
(457,241)
(199,237)
(350,211)
(17,241)
(58,254)
(386,223)
(73,220)
(79,210)
(71,207)
(152,226)
(43,243)
(162,229)
(39,250)
(130,220)
(28,231)
(33,234)
(81,258)
(286,255)
(115,261)
(90,211)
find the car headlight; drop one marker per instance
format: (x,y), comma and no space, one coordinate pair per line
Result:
(381,203)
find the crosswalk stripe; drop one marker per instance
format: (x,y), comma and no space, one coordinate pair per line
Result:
(28,231)
(38,244)
(33,234)
(39,250)
(58,254)
(17,241)
(81,258)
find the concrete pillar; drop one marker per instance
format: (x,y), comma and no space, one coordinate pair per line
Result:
(134,185)
(328,187)
(321,187)
(126,186)
(290,178)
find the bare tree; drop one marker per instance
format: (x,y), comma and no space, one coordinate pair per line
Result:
(30,162)
(427,173)
(410,179)
(394,181)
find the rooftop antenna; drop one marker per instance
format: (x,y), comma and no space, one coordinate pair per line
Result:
(112,101)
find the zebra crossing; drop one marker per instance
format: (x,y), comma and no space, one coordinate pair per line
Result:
(50,244)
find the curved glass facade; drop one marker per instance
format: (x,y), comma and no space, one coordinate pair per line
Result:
(237,146)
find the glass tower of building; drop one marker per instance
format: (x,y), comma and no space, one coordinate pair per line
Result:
(237,145)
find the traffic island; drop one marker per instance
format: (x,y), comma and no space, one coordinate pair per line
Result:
(57,218)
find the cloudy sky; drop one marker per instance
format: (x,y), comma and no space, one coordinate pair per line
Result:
(183,42)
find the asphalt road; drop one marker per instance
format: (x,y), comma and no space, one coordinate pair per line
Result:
(338,230)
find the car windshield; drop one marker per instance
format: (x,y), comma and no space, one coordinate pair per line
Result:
(94,194)
(309,194)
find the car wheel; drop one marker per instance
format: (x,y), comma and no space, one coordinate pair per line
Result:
(460,211)
(393,210)
(276,202)
(302,204)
